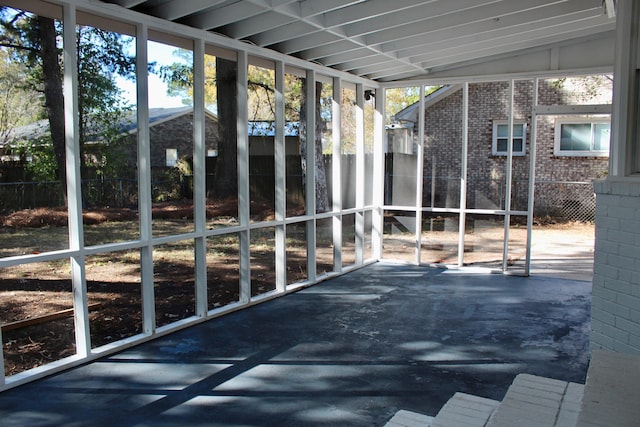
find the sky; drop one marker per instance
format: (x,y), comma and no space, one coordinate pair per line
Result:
(161,54)
(157,93)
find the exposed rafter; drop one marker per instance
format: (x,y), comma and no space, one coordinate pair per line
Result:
(390,40)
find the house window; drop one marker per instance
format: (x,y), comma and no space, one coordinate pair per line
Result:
(172,157)
(582,137)
(499,146)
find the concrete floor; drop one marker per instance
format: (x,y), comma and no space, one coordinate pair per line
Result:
(347,352)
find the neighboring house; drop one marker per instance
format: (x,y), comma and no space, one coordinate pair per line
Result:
(570,148)
(171,136)
(171,140)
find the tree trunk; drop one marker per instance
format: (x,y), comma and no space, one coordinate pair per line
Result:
(54,99)
(226,182)
(322,197)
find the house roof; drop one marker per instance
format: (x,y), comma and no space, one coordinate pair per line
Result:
(40,128)
(406,39)
(410,113)
(128,124)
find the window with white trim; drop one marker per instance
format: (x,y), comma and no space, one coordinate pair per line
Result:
(499,145)
(582,136)
(172,157)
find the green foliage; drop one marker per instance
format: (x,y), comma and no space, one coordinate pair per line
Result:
(38,158)
(397,99)
(18,105)
(101,56)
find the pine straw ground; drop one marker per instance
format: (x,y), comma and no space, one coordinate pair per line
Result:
(31,291)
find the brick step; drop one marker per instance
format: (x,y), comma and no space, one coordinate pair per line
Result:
(465,410)
(533,401)
(462,410)
(610,398)
(530,401)
(404,418)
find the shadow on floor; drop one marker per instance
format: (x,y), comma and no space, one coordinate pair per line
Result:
(347,352)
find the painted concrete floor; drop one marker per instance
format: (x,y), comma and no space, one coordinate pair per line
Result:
(351,351)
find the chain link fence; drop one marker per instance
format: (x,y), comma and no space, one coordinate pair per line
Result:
(568,200)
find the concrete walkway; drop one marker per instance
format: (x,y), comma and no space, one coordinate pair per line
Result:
(351,351)
(567,254)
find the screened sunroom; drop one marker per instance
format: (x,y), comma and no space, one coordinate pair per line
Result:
(167,163)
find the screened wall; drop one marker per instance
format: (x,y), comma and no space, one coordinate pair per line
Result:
(257,182)
(132,215)
(485,160)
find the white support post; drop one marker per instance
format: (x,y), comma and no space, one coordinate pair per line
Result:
(336,172)
(280,180)
(144,181)
(508,175)
(243,176)
(532,175)
(624,158)
(419,181)
(74,181)
(310,183)
(360,174)
(378,175)
(199,180)
(462,226)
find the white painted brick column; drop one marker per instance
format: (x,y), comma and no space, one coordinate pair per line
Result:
(615,309)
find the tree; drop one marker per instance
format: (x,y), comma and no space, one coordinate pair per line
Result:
(220,97)
(18,105)
(322,194)
(226,183)
(397,99)
(32,42)
(101,55)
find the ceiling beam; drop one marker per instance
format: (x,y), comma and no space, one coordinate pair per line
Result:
(368,10)
(295,30)
(511,46)
(218,17)
(409,15)
(448,39)
(127,3)
(511,42)
(314,7)
(358,53)
(306,41)
(490,15)
(341,46)
(256,24)
(309,12)
(176,9)
(591,52)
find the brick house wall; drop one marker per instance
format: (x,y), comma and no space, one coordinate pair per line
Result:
(489,102)
(615,305)
(177,133)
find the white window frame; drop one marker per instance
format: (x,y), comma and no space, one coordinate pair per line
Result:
(494,139)
(171,156)
(579,120)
